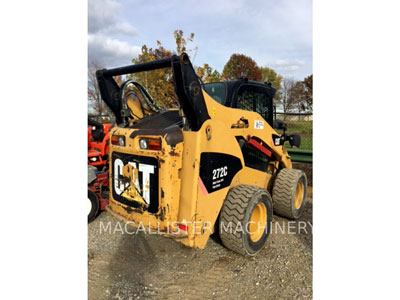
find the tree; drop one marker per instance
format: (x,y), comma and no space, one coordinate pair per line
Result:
(269,75)
(93,89)
(159,83)
(101,109)
(181,43)
(303,93)
(288,97)
(207,74)
(240,65)
(297,96)
(118,80)
(308,91)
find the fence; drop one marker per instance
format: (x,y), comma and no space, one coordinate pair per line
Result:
(294,116)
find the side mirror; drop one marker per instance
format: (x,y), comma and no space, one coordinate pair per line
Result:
(278,124)
(294,140)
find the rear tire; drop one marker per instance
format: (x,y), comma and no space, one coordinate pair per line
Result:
(289,193)
(245,219)
(94,206)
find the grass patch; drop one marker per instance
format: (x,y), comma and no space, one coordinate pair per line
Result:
(304,127)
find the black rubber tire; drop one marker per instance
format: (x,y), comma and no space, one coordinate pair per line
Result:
(236,210)
(95,206)
(284,191)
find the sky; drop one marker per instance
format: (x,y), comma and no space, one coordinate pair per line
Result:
(275,33)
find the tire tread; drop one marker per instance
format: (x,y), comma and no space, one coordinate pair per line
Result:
(233,212)
(284,188)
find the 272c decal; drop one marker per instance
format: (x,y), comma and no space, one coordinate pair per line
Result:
(218,169)
(220,172)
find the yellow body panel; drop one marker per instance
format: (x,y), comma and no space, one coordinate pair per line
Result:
(181,200)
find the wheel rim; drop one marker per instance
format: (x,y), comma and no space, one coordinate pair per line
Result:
(90,206)
(258,222)
(299,197)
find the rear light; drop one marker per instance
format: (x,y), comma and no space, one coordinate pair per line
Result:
(118,140)
(143,144)
(154,144)
(150,144)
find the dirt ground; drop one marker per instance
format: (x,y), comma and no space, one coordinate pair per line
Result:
(307,168)
(143,266)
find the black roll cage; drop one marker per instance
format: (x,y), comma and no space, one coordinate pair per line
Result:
(186,84)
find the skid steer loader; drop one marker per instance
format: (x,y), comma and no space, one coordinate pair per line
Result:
(211,164)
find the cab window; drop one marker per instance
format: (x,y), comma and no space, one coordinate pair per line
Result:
(254,99)
(217,91)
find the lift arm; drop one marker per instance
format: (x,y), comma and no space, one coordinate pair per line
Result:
(186,83)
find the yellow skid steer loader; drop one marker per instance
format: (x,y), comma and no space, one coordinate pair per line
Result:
(210,165)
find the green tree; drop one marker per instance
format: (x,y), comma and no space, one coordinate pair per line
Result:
(207,74)
(269,75)
(240,65)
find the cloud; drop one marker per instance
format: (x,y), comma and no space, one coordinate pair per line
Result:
(276,34)
(287,67)
(122,28)
(110,52)
(264,30)
(104,16)
(106,29)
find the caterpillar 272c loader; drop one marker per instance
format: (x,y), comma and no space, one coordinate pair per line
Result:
(211,164)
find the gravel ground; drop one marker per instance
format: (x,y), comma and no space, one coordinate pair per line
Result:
(144,266)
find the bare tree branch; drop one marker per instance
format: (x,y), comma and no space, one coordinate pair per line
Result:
(288,99)
(93,89)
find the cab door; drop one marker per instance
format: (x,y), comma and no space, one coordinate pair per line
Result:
(256,98)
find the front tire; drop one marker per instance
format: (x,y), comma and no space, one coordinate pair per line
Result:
(289,193)
(245,220)
(94,206)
